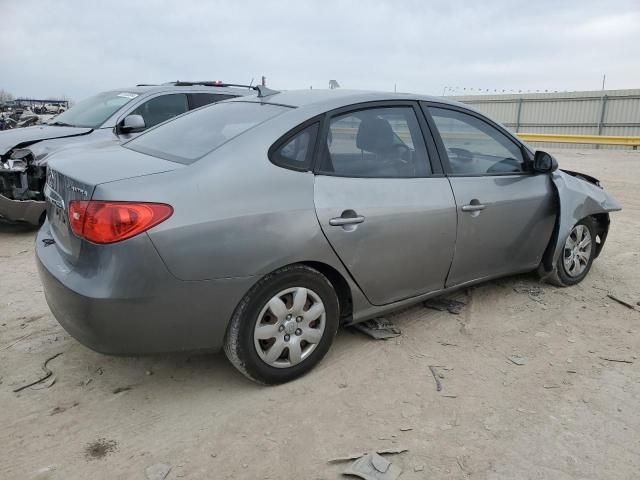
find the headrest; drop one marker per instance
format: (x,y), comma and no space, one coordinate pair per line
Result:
(374,135)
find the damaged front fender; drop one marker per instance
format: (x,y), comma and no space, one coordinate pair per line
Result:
(579,196)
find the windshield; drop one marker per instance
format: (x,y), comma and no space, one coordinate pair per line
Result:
(193,135)
(94,111)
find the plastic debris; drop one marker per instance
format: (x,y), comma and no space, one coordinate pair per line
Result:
(436,377)
(383,451)
(517,360)
(379,328)
(159,471)
(373,467)
(444,304)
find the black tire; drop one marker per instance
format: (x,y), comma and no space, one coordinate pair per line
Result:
(239,340)
(562,277)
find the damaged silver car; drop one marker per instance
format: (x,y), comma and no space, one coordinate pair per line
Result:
(110,117)
(261,224)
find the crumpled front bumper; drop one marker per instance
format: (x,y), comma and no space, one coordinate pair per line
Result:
(28,211)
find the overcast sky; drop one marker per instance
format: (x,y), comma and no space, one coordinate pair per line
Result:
(77,47)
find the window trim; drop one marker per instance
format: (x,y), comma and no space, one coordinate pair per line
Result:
(430,146)
(284,139)
(527,155)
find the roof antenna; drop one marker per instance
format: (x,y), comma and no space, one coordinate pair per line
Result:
(264,91)
(251,82)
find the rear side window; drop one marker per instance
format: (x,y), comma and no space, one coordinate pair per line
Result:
(190,137)
(474,147)
(376,142)
(197,100)
(295,151)
(162,108)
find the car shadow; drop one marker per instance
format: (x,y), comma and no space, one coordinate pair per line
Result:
(160,376)
(17,229)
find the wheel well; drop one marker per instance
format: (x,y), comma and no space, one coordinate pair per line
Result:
(339,284)
(601,224)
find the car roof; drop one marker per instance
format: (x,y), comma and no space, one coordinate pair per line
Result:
(145,89)
(329,99)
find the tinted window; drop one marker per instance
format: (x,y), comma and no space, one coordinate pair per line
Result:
(192,136)
(197,100)
(160,109)
(94,111)
(296,152)
(474,147)
(376,142)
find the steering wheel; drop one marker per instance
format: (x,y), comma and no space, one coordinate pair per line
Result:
(461,154)
(508,165)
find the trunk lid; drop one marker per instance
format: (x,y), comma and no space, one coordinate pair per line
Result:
(74,175)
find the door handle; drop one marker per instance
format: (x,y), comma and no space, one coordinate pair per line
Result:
(341,221)
(473,207)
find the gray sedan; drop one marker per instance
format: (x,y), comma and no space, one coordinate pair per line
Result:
(261,224)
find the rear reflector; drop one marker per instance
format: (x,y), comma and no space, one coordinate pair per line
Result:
(109,222)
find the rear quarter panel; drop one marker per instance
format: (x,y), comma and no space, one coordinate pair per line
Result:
(235,213)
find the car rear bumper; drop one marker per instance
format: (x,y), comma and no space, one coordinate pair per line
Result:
(28,211)
(129,306)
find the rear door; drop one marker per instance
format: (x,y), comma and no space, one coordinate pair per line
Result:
(506,213)
(386,210)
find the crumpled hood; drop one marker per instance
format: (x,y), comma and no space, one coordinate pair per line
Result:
(10,139)
(581,195)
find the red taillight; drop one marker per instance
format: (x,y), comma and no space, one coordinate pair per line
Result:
(109,222)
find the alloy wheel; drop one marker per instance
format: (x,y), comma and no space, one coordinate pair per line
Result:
(577,251)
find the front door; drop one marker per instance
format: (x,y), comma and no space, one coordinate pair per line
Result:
(506,213)
(391,221)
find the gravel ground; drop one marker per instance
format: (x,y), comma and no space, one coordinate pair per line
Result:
(561,411)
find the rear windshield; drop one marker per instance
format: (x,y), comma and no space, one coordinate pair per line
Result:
(193,135)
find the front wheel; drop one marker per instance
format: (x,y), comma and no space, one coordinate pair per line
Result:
(283,326)
(577,254)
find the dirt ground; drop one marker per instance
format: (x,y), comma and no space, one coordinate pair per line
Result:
(565,413)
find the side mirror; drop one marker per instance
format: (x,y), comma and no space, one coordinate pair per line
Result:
(544,162)
(132,123)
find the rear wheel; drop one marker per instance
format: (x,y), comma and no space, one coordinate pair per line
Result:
(283,326)
(577,254)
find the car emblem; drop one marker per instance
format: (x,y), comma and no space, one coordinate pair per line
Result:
(78,190)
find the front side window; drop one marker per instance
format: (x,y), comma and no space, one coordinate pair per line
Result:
(376,142)
(190,137)
(162,108)
(474,147)
(296,151)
